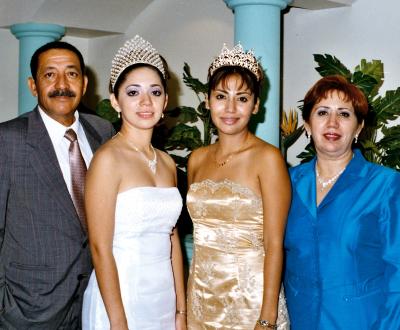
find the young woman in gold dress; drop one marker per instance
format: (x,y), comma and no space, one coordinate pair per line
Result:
(238,199)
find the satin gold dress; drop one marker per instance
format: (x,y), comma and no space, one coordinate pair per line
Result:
(226,276)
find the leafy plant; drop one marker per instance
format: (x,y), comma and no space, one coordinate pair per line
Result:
(369,77)
(185,135)
(105,110)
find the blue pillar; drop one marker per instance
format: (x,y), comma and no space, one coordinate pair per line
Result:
(258,26)
(31,36)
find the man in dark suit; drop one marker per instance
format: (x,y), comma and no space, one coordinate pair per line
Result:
(44,255)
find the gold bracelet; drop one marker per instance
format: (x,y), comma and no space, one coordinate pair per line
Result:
(181,312)
(265,324)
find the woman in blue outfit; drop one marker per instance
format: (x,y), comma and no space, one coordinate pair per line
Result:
(343,234)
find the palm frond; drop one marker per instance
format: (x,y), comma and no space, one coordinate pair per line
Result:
(391,143)
(184,137)
(365,82)
(387,108)
(373,69)
(307,154)
(193,83)
(330,65)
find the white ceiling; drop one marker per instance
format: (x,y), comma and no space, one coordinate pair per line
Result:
(82,18)
(94,18)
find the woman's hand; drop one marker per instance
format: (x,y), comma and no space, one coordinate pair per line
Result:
(258,327)
(180,322)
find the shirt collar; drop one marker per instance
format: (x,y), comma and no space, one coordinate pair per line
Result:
(55,129)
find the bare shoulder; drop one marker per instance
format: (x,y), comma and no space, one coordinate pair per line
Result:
(199,155)
(271,170)
(267,154)
(103,176)
(106,157)
(198,161)
(267,161)
(166,159)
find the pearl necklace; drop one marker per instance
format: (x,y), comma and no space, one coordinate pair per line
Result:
(326,183)
(151,163)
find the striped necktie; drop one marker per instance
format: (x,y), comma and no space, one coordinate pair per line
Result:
(78,171)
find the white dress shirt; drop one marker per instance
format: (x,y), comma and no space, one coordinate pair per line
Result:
(61,144)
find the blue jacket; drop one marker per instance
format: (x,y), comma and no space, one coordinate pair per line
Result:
(342,266)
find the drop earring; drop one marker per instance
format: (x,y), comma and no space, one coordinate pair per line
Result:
(356,139)
(162,115)
(119,114)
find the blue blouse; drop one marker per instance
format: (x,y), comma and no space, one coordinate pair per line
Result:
(342,263)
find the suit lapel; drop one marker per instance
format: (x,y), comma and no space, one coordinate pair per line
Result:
(92,136)
(304,184)
(43,160)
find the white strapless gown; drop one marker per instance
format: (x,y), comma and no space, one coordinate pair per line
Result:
(144,219)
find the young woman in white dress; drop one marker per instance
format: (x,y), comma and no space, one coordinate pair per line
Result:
(132,206)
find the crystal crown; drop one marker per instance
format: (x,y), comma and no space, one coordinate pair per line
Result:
(236,57)
(134,51)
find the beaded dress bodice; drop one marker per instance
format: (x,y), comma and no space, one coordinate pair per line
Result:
(226,278)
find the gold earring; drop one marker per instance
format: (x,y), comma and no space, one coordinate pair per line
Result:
(162,115)
(119,114)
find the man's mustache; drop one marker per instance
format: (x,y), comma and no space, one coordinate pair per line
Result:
(61,92)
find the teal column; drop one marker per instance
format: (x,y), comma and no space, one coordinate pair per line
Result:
(31,36)
(258,26)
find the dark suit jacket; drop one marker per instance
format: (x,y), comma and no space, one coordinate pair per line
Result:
(44,255)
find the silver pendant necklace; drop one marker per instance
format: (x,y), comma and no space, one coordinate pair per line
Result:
(325,183)
(151,163)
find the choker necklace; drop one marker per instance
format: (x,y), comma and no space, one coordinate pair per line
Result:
(226,161)
(151,163)
(326,183)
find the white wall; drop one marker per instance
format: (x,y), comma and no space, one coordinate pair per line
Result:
(189,31)
(368,29)
(8,75)
(194,31)
(182,31)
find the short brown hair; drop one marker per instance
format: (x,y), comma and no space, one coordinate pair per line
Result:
(325,86)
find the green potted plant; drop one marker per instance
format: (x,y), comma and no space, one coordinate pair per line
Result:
(192,127)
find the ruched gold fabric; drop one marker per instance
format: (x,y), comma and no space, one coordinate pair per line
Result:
(226,277)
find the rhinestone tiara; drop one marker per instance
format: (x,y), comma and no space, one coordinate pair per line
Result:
(134,51)
(236,57)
